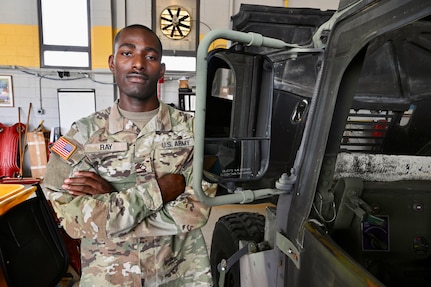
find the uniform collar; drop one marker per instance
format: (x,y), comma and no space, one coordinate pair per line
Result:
(118,123)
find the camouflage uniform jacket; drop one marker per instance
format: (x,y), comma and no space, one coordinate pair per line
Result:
(128,237)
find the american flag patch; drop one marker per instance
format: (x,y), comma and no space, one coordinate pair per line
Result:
(63,148)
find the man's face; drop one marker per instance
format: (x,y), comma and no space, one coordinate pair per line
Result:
(136,64)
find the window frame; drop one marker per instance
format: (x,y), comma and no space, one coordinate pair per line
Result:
(62,48)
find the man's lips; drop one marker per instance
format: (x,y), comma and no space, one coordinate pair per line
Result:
(137,78)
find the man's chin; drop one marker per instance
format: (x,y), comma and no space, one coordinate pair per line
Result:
(139,95)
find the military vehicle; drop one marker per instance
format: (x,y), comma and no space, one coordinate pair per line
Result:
(327,116)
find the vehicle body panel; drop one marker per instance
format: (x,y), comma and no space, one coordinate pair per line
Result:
(349,143)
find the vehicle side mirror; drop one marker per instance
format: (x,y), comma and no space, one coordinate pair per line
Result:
(238,115)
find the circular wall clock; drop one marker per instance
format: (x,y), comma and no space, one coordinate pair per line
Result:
(175,22)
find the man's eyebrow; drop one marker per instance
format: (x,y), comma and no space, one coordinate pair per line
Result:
(132,46)
(151,49)
(127,45)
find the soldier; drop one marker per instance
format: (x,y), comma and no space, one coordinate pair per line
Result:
(121,180)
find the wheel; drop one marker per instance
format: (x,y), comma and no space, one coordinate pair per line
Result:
(228,231)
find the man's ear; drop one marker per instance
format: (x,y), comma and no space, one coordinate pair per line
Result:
(111,63)
(162,70)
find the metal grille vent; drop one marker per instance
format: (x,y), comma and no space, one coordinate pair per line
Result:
(365,130)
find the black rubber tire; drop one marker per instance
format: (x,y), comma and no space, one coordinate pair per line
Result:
(228,231)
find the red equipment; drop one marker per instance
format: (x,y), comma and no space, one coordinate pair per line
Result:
(10,143)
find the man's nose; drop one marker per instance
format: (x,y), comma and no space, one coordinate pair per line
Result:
(139,62)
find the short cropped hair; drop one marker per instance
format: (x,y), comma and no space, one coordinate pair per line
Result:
(139,26)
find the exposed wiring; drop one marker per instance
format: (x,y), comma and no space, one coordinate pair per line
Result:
(319,210)
(203,23)
(40,93)
(51,77)
(58,76)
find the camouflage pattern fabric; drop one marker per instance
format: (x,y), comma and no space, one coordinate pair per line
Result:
(128,237)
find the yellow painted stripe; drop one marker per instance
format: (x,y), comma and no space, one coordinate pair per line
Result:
(218,43)
(101,46)
(19,45)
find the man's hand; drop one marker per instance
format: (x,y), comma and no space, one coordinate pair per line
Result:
(171,185)
(87,183)
(90,183)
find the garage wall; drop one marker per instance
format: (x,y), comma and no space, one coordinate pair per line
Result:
(19,53)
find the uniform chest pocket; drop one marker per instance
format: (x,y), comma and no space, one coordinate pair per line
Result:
(112,163)
(171,153)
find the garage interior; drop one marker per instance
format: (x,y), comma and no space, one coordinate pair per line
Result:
(45,88)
